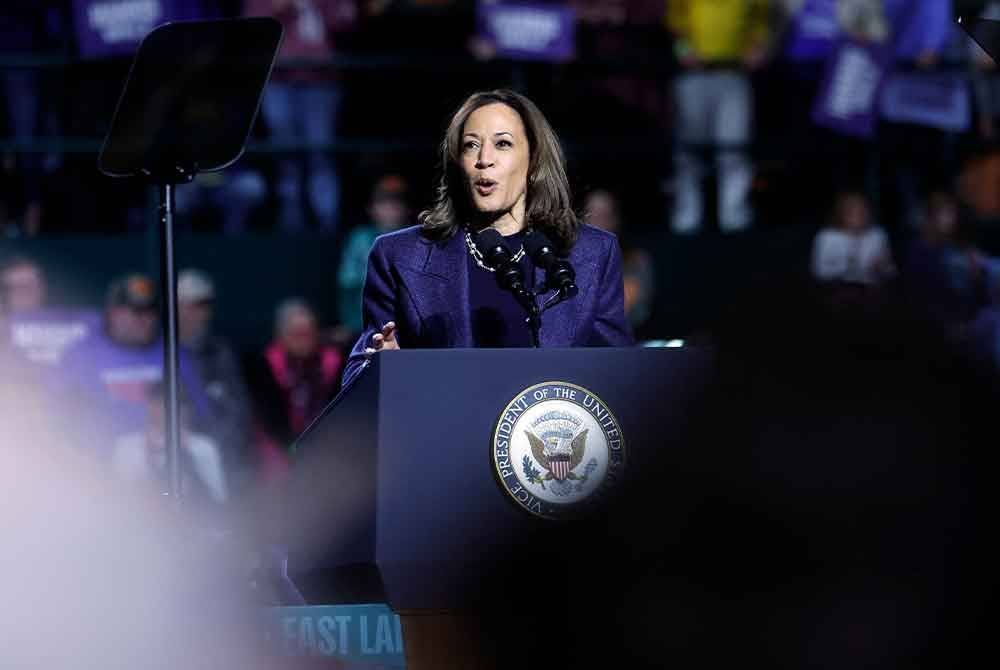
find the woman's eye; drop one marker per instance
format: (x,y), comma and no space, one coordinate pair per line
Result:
(504,144)
(468,146)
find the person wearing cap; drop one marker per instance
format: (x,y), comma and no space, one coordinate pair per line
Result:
(102,384)
(218,366)
(389,211)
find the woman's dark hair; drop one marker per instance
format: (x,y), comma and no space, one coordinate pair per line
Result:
(548,205)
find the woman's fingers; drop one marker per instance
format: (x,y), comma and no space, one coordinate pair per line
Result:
(386,339)
(389,336)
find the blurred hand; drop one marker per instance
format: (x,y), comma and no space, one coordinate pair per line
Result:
(754,57)
(689,60)
(986,129)
(927,59)
(884,266)
(384,340)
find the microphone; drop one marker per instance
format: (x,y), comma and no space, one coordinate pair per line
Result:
(559,274)
(496,255)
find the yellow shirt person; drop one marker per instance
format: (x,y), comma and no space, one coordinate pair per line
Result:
(718,31)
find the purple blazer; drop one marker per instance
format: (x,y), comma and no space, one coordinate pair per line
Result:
(423,285)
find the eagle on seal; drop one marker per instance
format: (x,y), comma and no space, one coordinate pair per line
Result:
(558,455)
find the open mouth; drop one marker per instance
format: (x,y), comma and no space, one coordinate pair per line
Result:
(485,186)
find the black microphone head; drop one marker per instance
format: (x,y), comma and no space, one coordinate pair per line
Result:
(540,248)
(492,246)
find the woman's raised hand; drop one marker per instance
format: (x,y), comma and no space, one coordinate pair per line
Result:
(385,339)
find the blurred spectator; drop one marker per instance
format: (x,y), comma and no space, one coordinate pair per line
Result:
(22,284)
(298,374)
(717,43)
(387,211)
(601,211)
(835,55)
(301,105)
(852,249)
(218,368)
(105,380)
(141,457)
(232,193)
(924,103)
(946,274)
(41,334)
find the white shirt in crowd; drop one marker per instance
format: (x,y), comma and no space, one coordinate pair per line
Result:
(134,461)
(862,257)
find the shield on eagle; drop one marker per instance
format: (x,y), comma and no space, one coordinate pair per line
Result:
(557,454)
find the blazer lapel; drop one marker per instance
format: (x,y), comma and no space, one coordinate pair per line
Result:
(445,287)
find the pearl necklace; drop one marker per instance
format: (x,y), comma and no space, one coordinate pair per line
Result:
(478,256)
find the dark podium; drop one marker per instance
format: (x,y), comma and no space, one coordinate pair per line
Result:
(396,497)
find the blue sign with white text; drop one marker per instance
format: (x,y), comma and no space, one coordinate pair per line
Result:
(361,637)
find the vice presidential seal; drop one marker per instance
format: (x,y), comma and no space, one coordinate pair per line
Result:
(557,450)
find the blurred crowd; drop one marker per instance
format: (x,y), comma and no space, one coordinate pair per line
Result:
(867,123)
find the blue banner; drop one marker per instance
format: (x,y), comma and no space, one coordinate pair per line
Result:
(355,637)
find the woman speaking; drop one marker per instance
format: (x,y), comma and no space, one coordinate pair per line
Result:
(436,284)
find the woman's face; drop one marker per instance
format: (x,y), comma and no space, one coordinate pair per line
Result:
(495,156)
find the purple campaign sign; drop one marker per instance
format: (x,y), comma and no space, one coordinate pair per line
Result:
(44,336)
(848,96)
(935,99)
(813,32)
(527,31)
(115,27)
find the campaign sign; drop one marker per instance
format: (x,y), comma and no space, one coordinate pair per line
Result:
(527,31)
(935,99)
(848,96)
(44,336)
(115,27)
(813,32)
(349,637)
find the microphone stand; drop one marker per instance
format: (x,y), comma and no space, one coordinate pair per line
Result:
(534,320)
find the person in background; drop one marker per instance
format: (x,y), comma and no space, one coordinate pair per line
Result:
(388,211)
(218,367)
(141,456)
(852,248)
(23,285)
(601,211)
(105,379)
(924,104)
(301,105)
(297,376)
(946,274)
(717,43)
